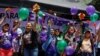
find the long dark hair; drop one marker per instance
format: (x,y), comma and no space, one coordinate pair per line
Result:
(68,32)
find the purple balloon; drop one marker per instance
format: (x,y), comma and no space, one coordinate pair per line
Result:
(73,10)
(90,10)
(69,50)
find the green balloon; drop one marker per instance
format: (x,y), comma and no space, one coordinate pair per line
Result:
(61,45)
(23,13)
(41,14)
(94,17)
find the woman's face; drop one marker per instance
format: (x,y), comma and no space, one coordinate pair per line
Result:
(88,35)
(15,22)
(52,32)
(71,29)
(57,32)
(28,26)
(6,28)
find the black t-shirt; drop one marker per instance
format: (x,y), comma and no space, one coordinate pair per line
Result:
(30,40)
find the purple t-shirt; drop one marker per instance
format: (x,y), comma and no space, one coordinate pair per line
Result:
(6,40)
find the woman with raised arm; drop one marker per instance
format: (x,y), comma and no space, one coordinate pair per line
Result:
(16,32)
(6,41)
(71,36)
(30,40)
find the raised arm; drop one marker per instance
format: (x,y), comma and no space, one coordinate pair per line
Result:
(2,20)
(34,26)
(15,28)
(67,38)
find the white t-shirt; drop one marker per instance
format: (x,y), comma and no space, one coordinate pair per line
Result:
(19,31)
(15,42)
(86,46)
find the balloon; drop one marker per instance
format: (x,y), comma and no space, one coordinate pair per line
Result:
(69,50)
(94,17)
(61,44)
(81,16)
(23,13)
(41,14)
(90,10)
(73,10)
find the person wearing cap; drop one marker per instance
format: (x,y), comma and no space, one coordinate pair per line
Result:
(86,47)
(6,41)
(16,32)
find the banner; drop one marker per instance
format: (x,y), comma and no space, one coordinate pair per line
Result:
(9,14)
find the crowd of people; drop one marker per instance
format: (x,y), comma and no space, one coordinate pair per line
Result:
(16,42)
